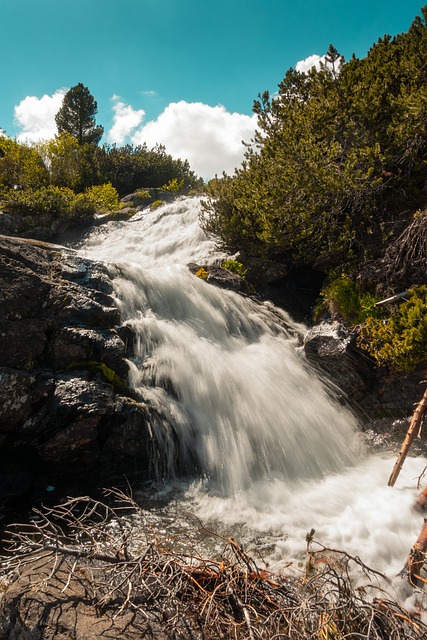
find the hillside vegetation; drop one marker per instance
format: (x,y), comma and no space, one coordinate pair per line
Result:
(63,178)
(336,181)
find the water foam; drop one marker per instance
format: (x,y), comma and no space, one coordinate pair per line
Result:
(276,455)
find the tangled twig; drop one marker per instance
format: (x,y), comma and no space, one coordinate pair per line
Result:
(127,566)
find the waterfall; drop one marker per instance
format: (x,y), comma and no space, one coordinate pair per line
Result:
(270,450)
(226,370)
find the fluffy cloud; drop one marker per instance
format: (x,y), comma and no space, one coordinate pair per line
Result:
(125,120)
(210,138)
(312,61)
(36,116)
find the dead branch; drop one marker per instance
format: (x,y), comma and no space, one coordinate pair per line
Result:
(392,299)
(413,431)
(126,566)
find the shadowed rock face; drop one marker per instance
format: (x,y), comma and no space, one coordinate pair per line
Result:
(375,393)
(66,413)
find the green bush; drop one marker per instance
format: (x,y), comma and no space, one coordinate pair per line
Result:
(401,339)
(156,203)
(83,205)
(46,202)
(143,194)
(340,297)
(174,185)
(104,197)
(235,267)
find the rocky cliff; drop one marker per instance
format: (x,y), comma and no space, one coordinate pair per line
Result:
(66,413)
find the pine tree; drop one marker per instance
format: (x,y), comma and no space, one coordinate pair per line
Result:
(77,115)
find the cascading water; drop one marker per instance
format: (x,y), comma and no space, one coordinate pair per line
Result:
(272,449)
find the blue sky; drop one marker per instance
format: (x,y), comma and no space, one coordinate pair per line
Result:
(160,69)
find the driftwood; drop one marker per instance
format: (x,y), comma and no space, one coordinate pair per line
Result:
(398,296)
(413,431)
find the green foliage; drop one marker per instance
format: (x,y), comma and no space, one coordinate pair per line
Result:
(83,206)
(62,156)
(235,267)
(156,204)
(21,166)
(339,154)
(44,203)
(77,115)
(104,197)
(142,193)
(48,203)
(131,168)
(401,339)
(174,185)
(340,297)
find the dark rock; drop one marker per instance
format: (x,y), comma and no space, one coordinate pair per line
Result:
(221,277)
(225,279)
(9,223)
(74,346)
(75,395)
(22,343)
(62,363)
(17,398)
(332,349)
(375,393)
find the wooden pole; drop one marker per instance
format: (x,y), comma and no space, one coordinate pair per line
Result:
(411,434)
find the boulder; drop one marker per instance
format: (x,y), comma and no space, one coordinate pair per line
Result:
(67,414)
(377,394)
(220,277)
(332,350)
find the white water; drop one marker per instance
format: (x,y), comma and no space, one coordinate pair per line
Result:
(275,454)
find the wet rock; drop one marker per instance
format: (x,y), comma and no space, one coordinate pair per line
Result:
(375,393)
(220,277)
(16,398)
(62,366)
(330,348)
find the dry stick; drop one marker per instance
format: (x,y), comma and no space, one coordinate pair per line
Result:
(413,430)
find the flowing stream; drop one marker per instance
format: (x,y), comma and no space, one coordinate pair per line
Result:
(267,452)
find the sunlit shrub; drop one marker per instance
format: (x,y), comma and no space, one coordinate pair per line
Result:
(156,204)
(83,205)
(401,339)
(143,193)
(235,267)
(104,197)
(174,185)
(51,202)
(340,297)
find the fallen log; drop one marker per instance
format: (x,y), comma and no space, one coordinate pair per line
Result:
(413,430)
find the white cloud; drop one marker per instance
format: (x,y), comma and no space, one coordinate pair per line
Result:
(36,116)
(303,66)
(125,120)
(210,138)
